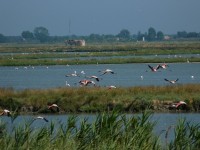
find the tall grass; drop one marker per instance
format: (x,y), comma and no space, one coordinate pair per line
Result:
(107,131)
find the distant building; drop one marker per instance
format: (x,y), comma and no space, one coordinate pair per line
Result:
(75,42)
(166,37)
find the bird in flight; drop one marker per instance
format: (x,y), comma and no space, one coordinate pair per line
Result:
(94,77)
(171,81)
(43,118)
(154,69)
(54,107)
(164,66)
(107,71)
(178,105)
(86,82)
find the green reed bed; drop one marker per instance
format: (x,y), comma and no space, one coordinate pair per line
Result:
(89,99)
(36,62)
(107,131)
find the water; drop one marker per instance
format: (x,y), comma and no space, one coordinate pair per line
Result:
(126,75)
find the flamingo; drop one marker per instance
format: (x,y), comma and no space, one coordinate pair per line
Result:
(112,87)
(53,107)
(6,112)
(73,74)
(94,77)
(107,71)
(171,81)
(154,69)
(164,66)
(43,118)
(178,105)
(86,82)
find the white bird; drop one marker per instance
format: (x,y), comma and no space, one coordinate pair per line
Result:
(67,84)
(192,77)
(53,107)
(112,87)
(171,81)
(43,118)
(6,113)
(107,71)
(141,77)
(82,72)
(73,74)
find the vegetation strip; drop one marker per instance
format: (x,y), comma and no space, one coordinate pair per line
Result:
(90,100)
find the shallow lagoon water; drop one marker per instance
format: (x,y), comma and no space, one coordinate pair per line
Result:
(126,75)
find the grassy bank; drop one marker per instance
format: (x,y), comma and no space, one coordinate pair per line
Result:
(107,131)
(47,54)
(87,100)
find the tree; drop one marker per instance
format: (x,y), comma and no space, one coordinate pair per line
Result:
(27,35)
(2,38)
(151,34)
(41,33)
(181,34)
(160,35)
(124,34)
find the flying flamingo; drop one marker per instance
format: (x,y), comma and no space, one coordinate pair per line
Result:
(171,81)
(94,77)
(107,71)
(154,69)
(178,105)
(86,82)
(53,107)
(164,66)
(43,118)
(6,113)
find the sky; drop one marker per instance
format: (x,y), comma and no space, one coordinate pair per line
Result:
(85,17)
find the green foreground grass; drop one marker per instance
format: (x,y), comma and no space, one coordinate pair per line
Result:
(109,131)
(99,99)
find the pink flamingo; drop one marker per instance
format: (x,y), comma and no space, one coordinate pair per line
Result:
(154,69)
(53,107)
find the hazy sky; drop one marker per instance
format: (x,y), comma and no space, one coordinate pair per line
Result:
(99,16)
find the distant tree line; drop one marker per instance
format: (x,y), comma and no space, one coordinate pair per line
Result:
(41,35)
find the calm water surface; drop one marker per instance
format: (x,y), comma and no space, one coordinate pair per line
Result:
(126,75)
